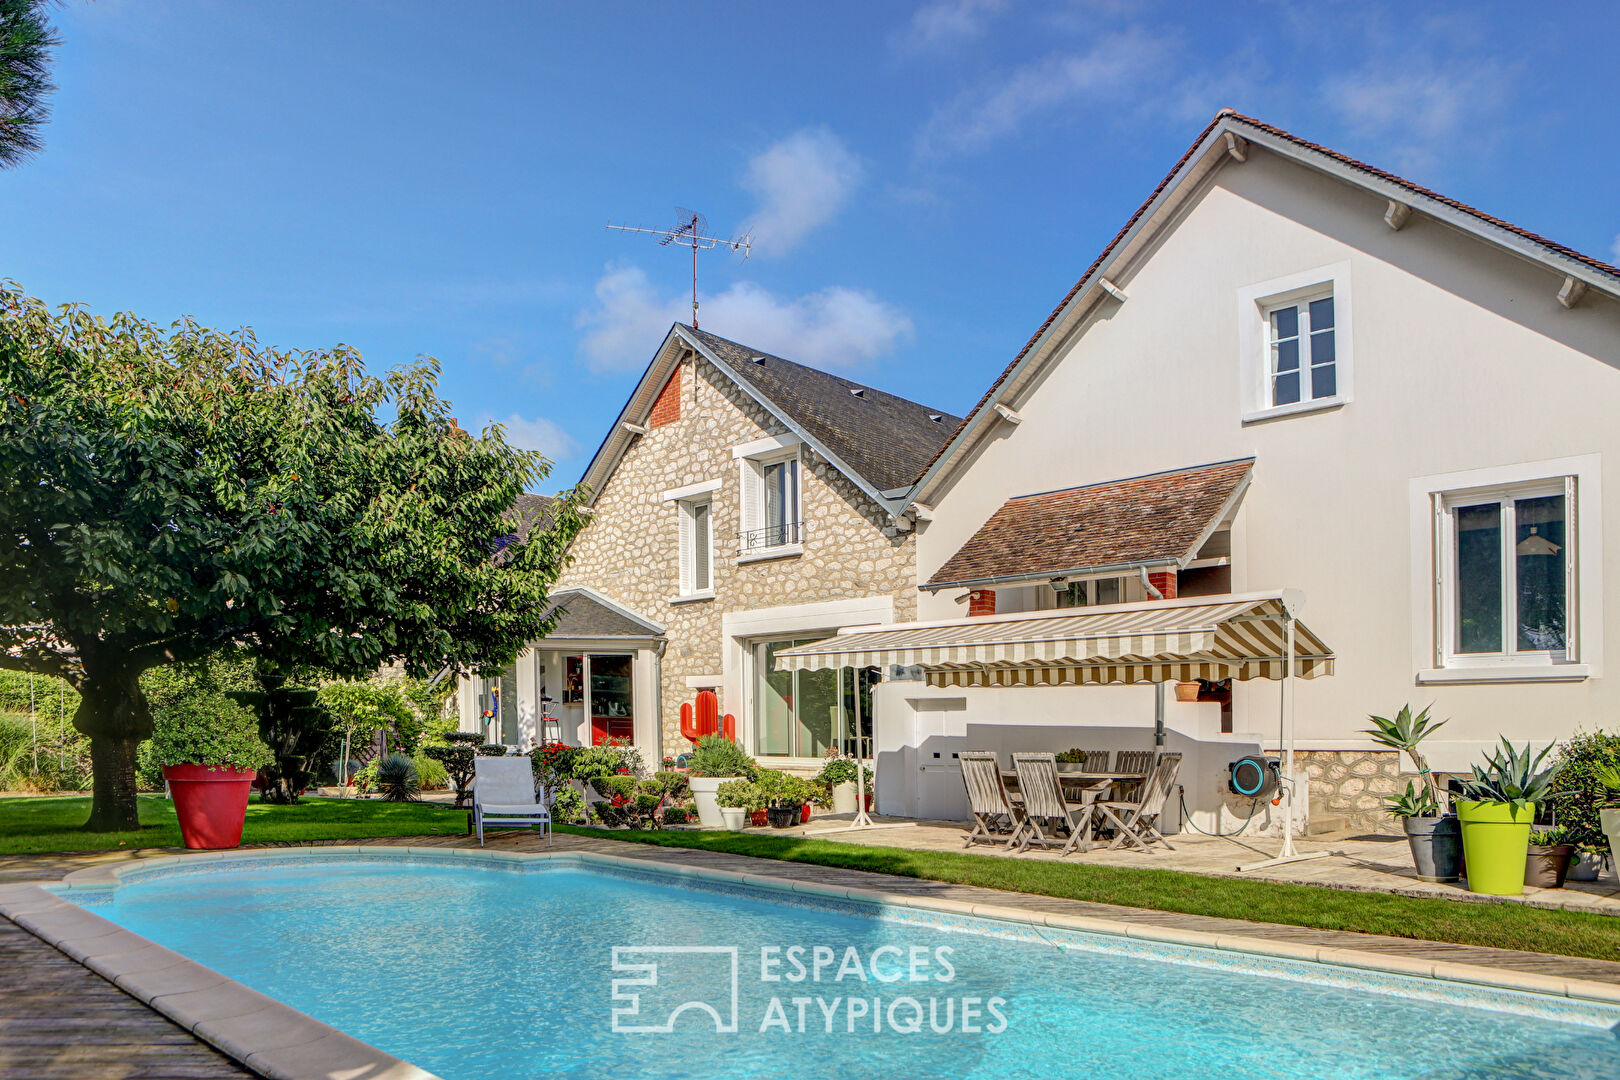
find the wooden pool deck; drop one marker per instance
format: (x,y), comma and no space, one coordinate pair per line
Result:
(57,1015)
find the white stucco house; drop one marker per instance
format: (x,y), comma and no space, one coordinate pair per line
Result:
(1288,371)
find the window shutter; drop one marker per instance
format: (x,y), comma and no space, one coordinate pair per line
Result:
(684,512)
(1572,576)
(701,540)
(752,478)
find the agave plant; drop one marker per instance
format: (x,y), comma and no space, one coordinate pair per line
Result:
(1404,733)
(1413,802)
(1512,776)
(396,778)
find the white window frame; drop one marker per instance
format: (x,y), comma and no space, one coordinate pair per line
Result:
(688,510)
(1255,305)
(751,470)
(1434,580)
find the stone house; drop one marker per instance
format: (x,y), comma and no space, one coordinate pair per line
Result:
(741,503)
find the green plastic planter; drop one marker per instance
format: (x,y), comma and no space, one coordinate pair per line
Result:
(1496,841)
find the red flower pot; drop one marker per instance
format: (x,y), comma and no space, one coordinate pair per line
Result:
(210,803)
(804,814)
(757,818)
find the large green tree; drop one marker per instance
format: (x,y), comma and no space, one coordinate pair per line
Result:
(165,492)
(26,41)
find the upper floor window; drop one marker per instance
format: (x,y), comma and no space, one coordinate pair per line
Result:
(1302,351)
(1295,343)
(697,547)
(771,496)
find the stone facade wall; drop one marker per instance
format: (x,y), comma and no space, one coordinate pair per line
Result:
(630,549)
(1353,783)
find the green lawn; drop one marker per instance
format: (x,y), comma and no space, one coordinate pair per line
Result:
(33,825)
(1495,925)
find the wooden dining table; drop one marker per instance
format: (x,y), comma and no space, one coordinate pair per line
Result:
(1089,786)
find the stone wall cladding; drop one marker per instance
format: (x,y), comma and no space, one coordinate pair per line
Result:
(629,550)
(1353,783)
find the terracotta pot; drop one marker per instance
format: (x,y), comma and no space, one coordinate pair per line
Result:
(1187,691)
(758,818)
(210,803)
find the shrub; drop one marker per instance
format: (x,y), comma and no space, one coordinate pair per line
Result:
(716,756)
(1578,793)
(431,774)
(492,749)
(615,786)
(41,755)
(742,794)
(838,770)
(607,759)
(783,788)
(568,806)
(457,761)
(670,784)
(207,728)
(675,815)
(396,778)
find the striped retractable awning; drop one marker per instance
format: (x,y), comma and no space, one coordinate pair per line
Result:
(1173,641)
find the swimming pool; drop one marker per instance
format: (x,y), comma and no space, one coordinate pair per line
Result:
(562,967)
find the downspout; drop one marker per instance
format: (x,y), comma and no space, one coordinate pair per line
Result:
(658,694)
(1158,687)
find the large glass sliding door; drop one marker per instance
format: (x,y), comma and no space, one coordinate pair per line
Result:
(803,713)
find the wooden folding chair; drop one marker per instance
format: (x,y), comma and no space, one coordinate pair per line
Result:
(1044,801)
(988,800)
(1137,761)
(1135,822)
(1096,760)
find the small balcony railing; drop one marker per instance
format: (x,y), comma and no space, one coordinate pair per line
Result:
(771,536)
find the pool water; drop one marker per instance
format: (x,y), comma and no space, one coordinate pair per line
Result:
(485,971)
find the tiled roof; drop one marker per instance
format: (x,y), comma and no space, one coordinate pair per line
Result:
(1141,211)
(585,616)
(530,512)
(1155,518)
(884,438)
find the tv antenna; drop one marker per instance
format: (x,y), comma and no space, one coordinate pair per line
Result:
(691,230)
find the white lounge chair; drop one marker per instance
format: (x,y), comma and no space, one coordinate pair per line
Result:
(504,796)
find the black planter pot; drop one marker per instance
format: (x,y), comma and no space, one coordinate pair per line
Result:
(1436,844)
(783,817)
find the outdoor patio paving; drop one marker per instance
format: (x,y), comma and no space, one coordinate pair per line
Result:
(1358,862)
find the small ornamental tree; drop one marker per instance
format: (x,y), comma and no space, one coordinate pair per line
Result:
(293,724)
(166,492)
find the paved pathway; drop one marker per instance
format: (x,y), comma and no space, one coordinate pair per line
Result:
(1358,862)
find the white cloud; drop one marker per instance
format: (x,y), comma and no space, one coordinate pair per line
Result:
(948,22)
(537,434)
(801,182)
(833,328)
(1422,104)
(1113,69)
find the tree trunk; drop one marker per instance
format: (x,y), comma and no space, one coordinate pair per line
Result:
(113,807)
(113,712)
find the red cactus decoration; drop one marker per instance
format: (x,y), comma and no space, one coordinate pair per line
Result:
(706,719)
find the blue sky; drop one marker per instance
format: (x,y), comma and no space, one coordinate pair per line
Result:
(923,181)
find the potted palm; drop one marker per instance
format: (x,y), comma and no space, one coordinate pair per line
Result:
(713,761)
(210,751)
(737,799)
(1433,835)
(1547,859)
(1496,811)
